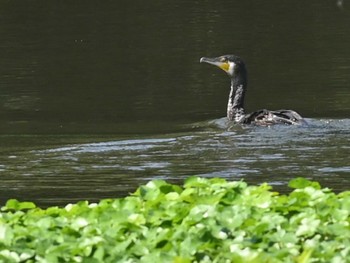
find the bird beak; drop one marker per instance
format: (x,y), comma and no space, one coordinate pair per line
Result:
(216,62)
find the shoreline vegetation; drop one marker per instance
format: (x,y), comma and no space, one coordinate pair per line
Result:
(205,220)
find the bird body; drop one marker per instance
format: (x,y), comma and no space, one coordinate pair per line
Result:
(235,68)
(267,117)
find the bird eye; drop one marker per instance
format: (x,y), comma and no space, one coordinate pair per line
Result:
(223,59)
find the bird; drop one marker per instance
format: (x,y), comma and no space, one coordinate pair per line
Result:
(236,70)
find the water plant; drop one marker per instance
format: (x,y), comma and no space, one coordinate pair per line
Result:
(205,220)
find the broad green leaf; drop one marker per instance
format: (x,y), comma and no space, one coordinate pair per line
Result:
(13,204)
(301,182)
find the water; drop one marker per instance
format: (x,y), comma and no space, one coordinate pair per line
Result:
(92,170)
(97,98)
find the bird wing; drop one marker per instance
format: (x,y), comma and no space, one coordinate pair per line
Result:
(266,117)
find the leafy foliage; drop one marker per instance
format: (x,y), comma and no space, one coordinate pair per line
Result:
(206,220)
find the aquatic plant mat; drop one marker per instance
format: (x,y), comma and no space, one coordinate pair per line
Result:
(206,220)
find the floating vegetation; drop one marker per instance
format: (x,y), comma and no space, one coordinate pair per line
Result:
(206,220)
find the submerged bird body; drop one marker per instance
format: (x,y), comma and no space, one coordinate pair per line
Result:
(235,68)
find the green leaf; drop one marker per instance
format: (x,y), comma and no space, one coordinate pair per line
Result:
(13,204)
(305,256)
(300,183)
(6,234)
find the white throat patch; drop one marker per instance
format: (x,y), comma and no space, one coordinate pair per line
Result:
(231,68)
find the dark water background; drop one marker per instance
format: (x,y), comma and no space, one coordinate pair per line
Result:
(97,97)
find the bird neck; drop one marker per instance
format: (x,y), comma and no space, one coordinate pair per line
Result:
(235,106)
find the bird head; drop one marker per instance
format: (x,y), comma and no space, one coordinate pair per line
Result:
(231,64)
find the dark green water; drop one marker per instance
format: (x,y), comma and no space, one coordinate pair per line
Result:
(98,97)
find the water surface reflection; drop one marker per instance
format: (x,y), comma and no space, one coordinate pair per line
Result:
(115,167)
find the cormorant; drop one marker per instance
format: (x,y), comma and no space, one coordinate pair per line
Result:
(235,68)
